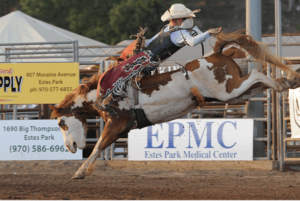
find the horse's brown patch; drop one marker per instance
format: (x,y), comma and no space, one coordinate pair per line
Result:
(80,112)
(88,108)
(199,97)
(88,84)
(220,71)
(66,111)
(193,65)
(152,83)
(220,67)
(234,84)
(75,112)
(60,111)
(64,107)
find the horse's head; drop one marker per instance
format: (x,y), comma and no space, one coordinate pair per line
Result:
(73,125)
(72,111)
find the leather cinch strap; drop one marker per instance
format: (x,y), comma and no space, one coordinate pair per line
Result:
(202,49)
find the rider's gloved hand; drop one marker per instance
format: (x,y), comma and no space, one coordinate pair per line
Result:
(215,31)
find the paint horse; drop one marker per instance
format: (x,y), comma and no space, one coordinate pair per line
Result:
(165,97)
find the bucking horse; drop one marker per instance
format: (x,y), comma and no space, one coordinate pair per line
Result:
(167,96)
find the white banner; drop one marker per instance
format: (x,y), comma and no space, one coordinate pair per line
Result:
(193,139)
(294,102)
(33,140)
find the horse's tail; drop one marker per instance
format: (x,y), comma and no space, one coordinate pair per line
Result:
(258,50)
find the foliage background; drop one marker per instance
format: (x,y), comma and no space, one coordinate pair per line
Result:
(111,21)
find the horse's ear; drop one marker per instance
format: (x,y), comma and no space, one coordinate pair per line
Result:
(54,112)
(53,108)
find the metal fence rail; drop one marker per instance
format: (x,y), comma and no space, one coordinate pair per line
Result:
(57,50)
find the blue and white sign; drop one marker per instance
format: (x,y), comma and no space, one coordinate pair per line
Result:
(33,140)
(193,139)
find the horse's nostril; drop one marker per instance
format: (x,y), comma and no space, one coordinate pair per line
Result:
(75,145)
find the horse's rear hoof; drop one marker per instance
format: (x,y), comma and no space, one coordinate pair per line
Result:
(78,176)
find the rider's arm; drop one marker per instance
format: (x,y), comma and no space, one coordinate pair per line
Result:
(178,40)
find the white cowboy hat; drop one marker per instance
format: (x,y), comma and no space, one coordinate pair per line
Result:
(178,11)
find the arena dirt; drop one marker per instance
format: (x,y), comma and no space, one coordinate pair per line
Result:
(52,180)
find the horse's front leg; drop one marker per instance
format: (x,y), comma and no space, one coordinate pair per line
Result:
(80,174)
(107,137)
(113,130)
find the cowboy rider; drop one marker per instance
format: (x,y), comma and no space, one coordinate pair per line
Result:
(173,36)
(178,33)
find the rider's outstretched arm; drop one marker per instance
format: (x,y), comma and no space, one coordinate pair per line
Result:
(180,38)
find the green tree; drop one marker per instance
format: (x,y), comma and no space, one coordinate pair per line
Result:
(50,11)
(129,15)
(7,6)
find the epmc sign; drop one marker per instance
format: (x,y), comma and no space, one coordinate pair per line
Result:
(189,139)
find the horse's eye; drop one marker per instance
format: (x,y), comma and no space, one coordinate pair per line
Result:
(61,123)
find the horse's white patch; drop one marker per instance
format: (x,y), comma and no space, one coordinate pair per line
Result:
(228,77)
(91,96)
(124,104)
(75,133)
(203,63)
(78,102)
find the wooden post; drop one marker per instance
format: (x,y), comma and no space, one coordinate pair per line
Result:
(46,114)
